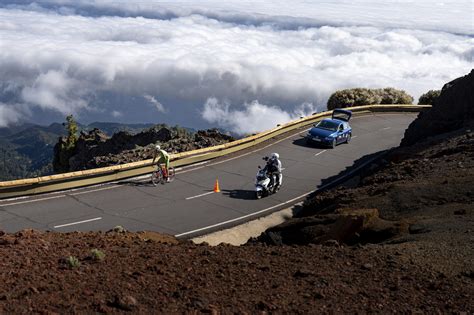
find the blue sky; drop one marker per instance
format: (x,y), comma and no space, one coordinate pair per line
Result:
(242,66)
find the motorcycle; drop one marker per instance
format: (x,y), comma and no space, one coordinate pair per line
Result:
(265,184)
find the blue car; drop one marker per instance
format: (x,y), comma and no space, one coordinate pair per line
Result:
(331,132)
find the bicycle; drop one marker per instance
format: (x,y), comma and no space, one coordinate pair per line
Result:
(158,175)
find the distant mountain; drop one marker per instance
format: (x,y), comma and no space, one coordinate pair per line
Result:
(6,131)
(110,128)
(27,150)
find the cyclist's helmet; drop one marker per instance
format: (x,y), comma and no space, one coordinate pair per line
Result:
(275,156)
(158,147)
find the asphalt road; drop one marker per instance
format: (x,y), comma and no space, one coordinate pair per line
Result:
(188,206)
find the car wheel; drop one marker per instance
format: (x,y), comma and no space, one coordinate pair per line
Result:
(348,137)
(333,143)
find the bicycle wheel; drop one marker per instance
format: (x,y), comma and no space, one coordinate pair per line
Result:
(156,177)
(171,174)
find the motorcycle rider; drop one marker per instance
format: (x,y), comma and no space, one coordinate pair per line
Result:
(273,167)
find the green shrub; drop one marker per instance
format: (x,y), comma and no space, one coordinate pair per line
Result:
(73,262)
(394,96)
(429,98)
(97,254)
(362,96)
(118,229)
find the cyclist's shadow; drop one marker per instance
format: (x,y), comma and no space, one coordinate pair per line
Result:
(144,183)
(240,194)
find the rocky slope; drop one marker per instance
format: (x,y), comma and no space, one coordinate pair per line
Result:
(95,149)
(453,109)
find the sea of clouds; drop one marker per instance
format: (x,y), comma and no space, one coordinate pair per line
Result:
(240,65)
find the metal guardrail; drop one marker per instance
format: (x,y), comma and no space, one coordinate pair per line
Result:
(38,185)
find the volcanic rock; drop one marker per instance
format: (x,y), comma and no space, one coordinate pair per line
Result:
(347,226)
(95,149)
(454,109)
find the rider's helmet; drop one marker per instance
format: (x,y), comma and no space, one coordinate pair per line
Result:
(275,156)
(157,147)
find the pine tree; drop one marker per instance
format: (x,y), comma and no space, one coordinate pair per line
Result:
(71,127)
(66,146)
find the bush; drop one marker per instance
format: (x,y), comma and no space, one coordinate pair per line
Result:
(394,96)
(429,98)
(97,254)
(118,229)
(73,262)
(362,96)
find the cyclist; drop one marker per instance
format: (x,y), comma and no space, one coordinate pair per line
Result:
(162,157)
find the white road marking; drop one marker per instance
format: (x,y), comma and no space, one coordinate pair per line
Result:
(188,166)
(208,193)
(94,190)
(353,137)
(320,152)
(386,128)
(30,201)
(192,169)
(78,222)
(57,197)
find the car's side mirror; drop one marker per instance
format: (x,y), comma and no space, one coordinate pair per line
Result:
(259,167)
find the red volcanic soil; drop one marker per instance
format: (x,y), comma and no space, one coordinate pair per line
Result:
(143,275)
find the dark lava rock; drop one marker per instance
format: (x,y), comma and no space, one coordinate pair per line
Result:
(418,229)
(468,274)
(454,109)
(126,303)
(367,266)
(95,149)
(460,212)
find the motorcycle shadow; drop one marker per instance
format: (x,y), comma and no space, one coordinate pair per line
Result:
(240,194)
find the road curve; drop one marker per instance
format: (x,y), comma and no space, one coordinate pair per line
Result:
(188,207)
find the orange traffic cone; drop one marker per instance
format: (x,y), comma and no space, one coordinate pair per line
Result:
(216,186)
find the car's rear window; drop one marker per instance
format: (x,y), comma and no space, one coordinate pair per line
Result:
(328,125)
